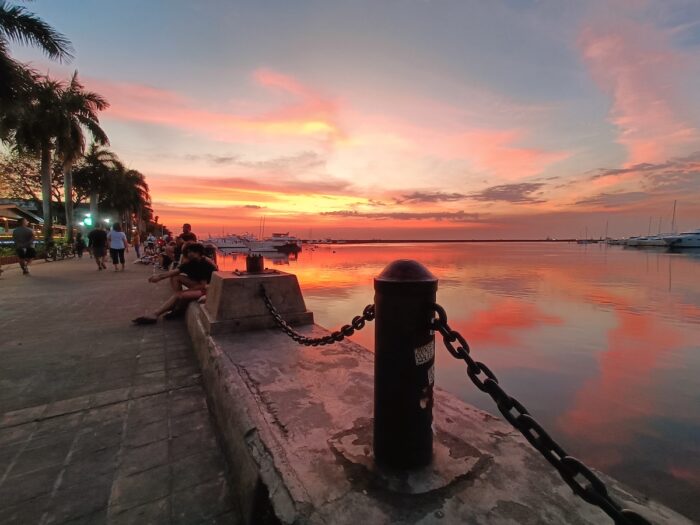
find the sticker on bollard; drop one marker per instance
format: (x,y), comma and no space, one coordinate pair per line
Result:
(425,353)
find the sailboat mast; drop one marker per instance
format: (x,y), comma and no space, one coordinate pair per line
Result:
(673,221)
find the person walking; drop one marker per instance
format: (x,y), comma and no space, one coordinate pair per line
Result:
(117,245)
(136,243)
(24,245)
(79,244)
(97,240)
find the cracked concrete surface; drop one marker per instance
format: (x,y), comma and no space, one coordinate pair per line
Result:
(298,421)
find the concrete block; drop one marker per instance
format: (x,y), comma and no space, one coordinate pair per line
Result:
(235,303)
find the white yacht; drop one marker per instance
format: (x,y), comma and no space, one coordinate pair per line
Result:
(230,243)
(684,240)
(279,242)
(652,240)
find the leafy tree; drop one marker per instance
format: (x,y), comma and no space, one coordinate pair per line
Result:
(20,178)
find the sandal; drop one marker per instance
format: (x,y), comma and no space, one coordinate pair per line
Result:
(144,320)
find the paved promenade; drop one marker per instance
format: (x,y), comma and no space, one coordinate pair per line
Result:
(101,421)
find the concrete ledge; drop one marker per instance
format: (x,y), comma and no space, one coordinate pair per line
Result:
(251,322)
(296,423)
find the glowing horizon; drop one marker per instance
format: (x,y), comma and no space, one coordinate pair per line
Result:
(507,120)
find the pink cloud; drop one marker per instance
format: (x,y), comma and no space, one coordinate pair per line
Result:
(638,67)
(498,152)
(308,115)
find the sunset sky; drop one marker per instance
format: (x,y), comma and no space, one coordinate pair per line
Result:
(399,118)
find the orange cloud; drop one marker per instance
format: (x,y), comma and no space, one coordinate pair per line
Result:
(638,67)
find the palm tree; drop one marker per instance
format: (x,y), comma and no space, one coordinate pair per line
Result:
(20,26)
(79,108)
(36,133)
(27,102)
(128,195)
(93,173)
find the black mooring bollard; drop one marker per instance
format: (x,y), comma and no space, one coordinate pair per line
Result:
(254,263)
(404,365)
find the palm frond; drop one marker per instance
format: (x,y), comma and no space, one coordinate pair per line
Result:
(19,25)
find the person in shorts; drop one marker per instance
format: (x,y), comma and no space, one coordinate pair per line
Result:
(97,239)
(117,245)
(189,282)
(23,236)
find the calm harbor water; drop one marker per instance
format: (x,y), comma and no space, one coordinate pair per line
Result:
(602,344)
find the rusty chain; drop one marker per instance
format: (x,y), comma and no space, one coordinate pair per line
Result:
(570,469)
(358,323)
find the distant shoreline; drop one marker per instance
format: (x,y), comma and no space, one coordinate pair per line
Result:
(429,241)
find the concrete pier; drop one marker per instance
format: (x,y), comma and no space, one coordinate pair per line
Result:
(296,425)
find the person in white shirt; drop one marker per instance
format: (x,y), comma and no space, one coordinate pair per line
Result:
(117,245)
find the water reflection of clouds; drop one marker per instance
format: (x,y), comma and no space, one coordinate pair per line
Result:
(502,322)
(523,285)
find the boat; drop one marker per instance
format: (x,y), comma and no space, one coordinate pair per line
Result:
(279,242)
(652,240)
(684,240)
(230,243)
(585,239)
(658,240)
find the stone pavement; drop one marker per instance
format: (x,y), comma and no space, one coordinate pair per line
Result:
(101,421)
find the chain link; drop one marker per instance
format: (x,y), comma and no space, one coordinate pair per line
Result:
(358,323)
(582,480)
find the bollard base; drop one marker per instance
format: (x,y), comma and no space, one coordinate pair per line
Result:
(235,304)
(453,460)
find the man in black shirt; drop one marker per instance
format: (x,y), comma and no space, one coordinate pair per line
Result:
(97,240)
(194,275)
(187,236)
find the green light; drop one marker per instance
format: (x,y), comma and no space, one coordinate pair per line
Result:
(87,221)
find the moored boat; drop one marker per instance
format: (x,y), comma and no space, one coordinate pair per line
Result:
(230,243)
(279,242)
(684,240)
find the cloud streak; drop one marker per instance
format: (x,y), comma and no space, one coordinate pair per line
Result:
(456,216)
(522,193)
(429,197)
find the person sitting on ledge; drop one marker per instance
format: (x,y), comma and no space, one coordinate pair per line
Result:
(189,282)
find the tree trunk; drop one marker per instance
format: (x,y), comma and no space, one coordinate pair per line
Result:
(94,199)
(68,198)
(46,192)
(129,223)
